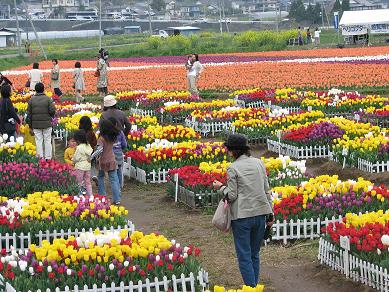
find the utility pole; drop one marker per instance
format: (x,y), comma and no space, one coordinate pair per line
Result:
(220,17)
(322,15)
(100,41)
(33,27)
(18,29)
(149,8)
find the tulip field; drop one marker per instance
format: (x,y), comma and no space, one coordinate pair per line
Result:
(300,110)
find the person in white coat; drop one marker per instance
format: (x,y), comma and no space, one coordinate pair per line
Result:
(35,76)
(194,69)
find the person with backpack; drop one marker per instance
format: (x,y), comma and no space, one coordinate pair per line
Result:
(82,162)
(8,116)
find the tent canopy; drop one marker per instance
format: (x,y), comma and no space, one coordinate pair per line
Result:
(365,17)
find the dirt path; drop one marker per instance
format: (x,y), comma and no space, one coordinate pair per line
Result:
(291,268)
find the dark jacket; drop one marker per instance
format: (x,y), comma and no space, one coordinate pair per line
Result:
(40,111)
(5,80)
(123,122)
(7,111)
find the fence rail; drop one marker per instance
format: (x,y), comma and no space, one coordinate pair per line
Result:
(305,152)
(191,283)
(23,241)
(376,167)
(352,266)
(206,128)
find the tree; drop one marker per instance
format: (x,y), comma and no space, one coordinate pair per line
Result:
(337,6)
(317,14)
(158,5)
(297,10)
(310,14)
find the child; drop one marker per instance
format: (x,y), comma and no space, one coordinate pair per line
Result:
(69,152)
(118,147)
(106,160)
(86,125)
(81,160)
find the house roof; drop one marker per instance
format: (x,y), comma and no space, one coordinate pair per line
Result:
(364,17)
(11,29)
(6,33)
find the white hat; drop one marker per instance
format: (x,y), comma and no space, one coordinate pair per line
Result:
(109,101)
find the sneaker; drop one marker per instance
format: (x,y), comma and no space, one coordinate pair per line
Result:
(117,203)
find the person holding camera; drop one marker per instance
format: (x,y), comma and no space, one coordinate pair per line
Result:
(8,115)
(247,191)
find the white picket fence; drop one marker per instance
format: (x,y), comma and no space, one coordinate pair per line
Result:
(61,134)
(23,241)
(208,127)
(352,266)
(196,199)
(251,104)
(301,229)
(142,112)
(376,167)
(183,283)
(306,152)
(153,177)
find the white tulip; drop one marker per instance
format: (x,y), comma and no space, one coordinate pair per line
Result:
(69,272)
(378,251)
(31,270)
(49,269)
(157,258)
(126,263)
(111,267)
(385,239)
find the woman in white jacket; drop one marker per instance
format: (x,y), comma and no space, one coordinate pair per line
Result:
(194,68)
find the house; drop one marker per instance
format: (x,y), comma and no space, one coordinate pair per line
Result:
(364,5)
(132,29)
(49,4)
(5,12)
(193,11)
(7,39)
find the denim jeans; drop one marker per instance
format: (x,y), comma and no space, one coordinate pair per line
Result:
(114,181)
(120,175)
(248,235)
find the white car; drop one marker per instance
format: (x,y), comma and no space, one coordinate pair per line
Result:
(161,34)
(201,20)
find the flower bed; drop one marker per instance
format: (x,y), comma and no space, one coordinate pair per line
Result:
(338,101)
(16,151)
(143,121)
(151,100)
(256,129)
(364,256)
(176,112)
(195,189)
(95,259)
(71,123)
(18,179)
(366,153)
(327,196)
(286,97)
(49,211)
(143,137)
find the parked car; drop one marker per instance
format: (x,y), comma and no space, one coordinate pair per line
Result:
(201,20)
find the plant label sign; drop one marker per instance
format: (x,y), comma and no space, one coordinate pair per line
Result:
(344,242)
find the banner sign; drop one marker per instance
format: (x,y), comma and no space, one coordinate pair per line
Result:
(353,29)
(379,28)
(336,20)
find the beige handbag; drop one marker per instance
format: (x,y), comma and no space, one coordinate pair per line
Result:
(222,217)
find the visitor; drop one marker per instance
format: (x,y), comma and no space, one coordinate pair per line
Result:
(40,114)
(8,115)
(86,125)
(78,82)
(309,36)
(110,110)
(300,37)
(69,152)
(35,76)
(194,69)
(247,190)
(82,162)
(4,80)
(106,160)
(317,36)
(102,76)
(55,78)
(118,147)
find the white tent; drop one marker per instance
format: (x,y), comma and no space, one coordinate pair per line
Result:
(364,21)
